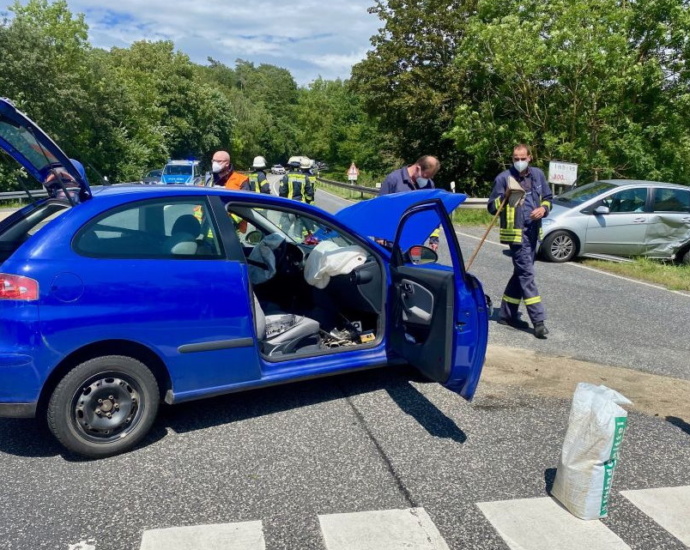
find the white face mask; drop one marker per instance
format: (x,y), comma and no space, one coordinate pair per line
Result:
(422,182)
(521,165)
(216,167)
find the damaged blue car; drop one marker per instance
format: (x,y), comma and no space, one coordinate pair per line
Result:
(118,298)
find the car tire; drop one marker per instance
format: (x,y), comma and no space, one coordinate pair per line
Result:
(559,246)
(103,406)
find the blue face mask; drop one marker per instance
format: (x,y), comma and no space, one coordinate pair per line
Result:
(422,182)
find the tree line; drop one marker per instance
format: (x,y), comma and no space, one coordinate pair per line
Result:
(603,83)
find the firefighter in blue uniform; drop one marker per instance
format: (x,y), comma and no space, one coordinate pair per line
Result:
(521,229)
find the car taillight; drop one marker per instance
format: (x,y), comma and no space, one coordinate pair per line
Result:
(15,287)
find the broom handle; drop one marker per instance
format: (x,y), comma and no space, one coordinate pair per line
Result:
(486,233)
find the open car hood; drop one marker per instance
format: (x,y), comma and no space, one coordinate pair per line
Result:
(31,147)
(379,217)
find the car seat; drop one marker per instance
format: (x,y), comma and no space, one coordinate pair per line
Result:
(284,333)
(183,235)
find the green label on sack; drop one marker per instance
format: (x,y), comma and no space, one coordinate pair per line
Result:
(610,464)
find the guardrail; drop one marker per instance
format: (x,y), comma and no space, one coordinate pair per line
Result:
(470,202)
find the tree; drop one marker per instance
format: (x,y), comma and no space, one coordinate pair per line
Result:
(597,82)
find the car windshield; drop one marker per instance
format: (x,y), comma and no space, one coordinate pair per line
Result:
(154,173)
(579,195)
(178,170)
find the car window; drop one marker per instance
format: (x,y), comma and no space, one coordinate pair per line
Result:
(579,195)
(671,200)
(152,229)
(627,200)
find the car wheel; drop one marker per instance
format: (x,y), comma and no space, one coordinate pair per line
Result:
(104,406)
(559,246)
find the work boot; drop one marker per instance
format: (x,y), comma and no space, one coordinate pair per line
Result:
(513,322)
(540,331)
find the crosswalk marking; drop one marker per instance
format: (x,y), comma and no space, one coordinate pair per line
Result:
(411,529)
(668,506)
(248,535)
(543,524)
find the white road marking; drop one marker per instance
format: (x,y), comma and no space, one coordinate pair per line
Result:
(89,544)
(542,524)
(411,529)
(248,535)
(580,266)
(668,506)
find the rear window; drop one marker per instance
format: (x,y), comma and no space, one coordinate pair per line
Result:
(21,226)
(24,142)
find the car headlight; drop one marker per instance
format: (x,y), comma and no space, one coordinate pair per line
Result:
(547,221)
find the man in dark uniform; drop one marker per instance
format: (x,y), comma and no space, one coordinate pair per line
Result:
(410,178)
(520,229)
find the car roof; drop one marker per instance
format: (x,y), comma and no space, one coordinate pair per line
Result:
(647,183)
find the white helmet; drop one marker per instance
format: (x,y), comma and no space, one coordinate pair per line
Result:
(259,162)
(305,163)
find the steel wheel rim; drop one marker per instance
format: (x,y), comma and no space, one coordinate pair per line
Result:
(106,407)
(562,247)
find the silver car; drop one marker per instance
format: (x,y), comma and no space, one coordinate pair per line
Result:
(620,218)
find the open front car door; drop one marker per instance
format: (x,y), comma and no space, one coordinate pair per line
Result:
(439,317)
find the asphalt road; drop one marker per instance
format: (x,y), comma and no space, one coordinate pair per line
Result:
(379,440)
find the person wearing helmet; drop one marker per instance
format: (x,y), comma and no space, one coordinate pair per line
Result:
(257,179)
(298,184)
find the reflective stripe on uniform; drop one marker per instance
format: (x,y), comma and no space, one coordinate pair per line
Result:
(534,300)
(510,300)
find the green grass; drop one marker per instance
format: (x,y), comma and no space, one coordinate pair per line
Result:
(673,277)
(472,216)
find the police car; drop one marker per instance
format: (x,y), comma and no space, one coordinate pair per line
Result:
(186,172)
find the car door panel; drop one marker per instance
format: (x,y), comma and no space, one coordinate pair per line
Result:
(439,322)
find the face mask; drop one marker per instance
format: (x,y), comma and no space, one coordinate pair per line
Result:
(216,167)
(521,165)
(422,182)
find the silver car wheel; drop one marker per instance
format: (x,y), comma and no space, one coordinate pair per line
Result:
(560,247)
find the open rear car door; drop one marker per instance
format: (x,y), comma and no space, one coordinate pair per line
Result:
(439,317)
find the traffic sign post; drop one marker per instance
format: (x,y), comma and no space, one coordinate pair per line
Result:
(352,173)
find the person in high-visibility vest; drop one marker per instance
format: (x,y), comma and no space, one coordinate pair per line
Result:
(298,184)
(224,174)
(521,229)
(257,179)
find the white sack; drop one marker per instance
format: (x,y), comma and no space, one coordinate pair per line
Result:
(590,450)
(328,260)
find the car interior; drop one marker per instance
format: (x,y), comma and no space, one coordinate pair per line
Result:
(315,290)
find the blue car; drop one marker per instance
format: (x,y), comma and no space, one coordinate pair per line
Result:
(117,298)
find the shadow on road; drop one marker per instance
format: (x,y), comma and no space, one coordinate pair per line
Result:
(679,423)
(549,478)
(31,438)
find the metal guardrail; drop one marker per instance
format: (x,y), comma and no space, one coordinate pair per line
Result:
(470,202)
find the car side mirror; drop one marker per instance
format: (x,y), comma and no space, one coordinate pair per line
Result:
(419,255)
(601,209)
(254,237)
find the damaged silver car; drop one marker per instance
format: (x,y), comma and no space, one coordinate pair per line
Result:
(619,218)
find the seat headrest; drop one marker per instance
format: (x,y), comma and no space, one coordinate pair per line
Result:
(187,224)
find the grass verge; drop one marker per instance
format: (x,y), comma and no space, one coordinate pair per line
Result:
(671,276)
(472,216)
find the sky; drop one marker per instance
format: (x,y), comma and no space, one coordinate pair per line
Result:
(310,38)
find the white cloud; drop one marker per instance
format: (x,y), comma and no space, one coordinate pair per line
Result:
(310,38)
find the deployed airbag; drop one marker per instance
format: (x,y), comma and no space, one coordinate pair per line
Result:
(328,260)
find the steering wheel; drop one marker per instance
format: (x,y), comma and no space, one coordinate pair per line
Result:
(291,261)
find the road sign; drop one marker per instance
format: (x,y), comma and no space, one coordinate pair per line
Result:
(352,172)
(562,173)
